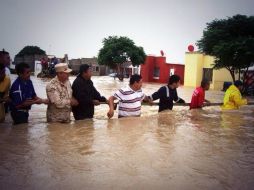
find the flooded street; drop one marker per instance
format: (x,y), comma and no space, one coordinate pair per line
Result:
(179,149)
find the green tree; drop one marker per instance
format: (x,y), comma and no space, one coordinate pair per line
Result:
(31,50)
(231,42)
(118,50)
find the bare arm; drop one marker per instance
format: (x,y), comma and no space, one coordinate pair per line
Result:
(28,102)
(111,106)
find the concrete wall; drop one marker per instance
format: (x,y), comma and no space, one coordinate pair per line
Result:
(146,70)
(193,69)
(97,70)
(219,77)
(195,62)
(29,59)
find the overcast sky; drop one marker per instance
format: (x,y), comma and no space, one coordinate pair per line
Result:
(77,27)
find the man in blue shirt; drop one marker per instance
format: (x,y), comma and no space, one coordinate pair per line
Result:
(167,94)
(22,95)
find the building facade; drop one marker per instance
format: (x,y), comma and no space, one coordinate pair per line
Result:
(97,70)
(29,59)
(199,66)
(156,69)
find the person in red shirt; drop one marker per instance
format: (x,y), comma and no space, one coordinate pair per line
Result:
(198,97)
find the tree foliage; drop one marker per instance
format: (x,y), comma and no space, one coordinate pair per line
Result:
(231,42)
(31,50)
(118,50)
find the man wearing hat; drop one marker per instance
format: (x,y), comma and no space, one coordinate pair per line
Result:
(59,93)
(233,98)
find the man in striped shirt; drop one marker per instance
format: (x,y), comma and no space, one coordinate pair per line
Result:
(129,98)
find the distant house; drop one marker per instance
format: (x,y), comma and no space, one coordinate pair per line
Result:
(156,69)
(97,70)
(128,69)
(199,66)
(249,80)
(29,59)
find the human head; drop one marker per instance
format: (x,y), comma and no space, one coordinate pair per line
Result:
(136,82)
(62,71)
(174,81)
(85,71)
(2,72)
(205,84)
(23,71)
(5,57)
(238,84)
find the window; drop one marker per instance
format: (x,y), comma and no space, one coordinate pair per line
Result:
(135,70)
(156,73)
(171,72)
(208,74)
(95,68)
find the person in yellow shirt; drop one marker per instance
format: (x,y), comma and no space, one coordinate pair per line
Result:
(5,84)
(233,98)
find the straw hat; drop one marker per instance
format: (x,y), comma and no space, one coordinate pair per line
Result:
(62,67)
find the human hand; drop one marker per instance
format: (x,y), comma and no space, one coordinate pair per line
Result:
(5,99)
(74,102)
(30,102)
(45,101)
(96,102)
(110,113)
(207,103)
(150,102)
(37,101)
(181,101)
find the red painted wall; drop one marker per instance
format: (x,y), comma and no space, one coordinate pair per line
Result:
(147,70)
(179,70)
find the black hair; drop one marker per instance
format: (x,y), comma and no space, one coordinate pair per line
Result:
(204,82)
(173,79)
(135,78)
(2,66)
(20,68)
(3,52)
(238,83)
(83,68)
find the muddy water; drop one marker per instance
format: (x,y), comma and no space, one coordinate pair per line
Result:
(179,149)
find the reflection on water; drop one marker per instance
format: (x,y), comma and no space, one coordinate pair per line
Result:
(179,149)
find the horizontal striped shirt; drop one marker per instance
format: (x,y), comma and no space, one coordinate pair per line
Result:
(129,102)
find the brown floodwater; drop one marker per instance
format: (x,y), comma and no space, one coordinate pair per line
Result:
(179,149)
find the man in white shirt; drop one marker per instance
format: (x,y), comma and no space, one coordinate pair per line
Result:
(129,98)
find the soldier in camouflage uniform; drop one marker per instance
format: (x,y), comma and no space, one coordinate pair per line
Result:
(59,93)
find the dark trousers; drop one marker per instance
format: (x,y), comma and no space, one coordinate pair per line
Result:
(6,106)
(19,117)
(81,117)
